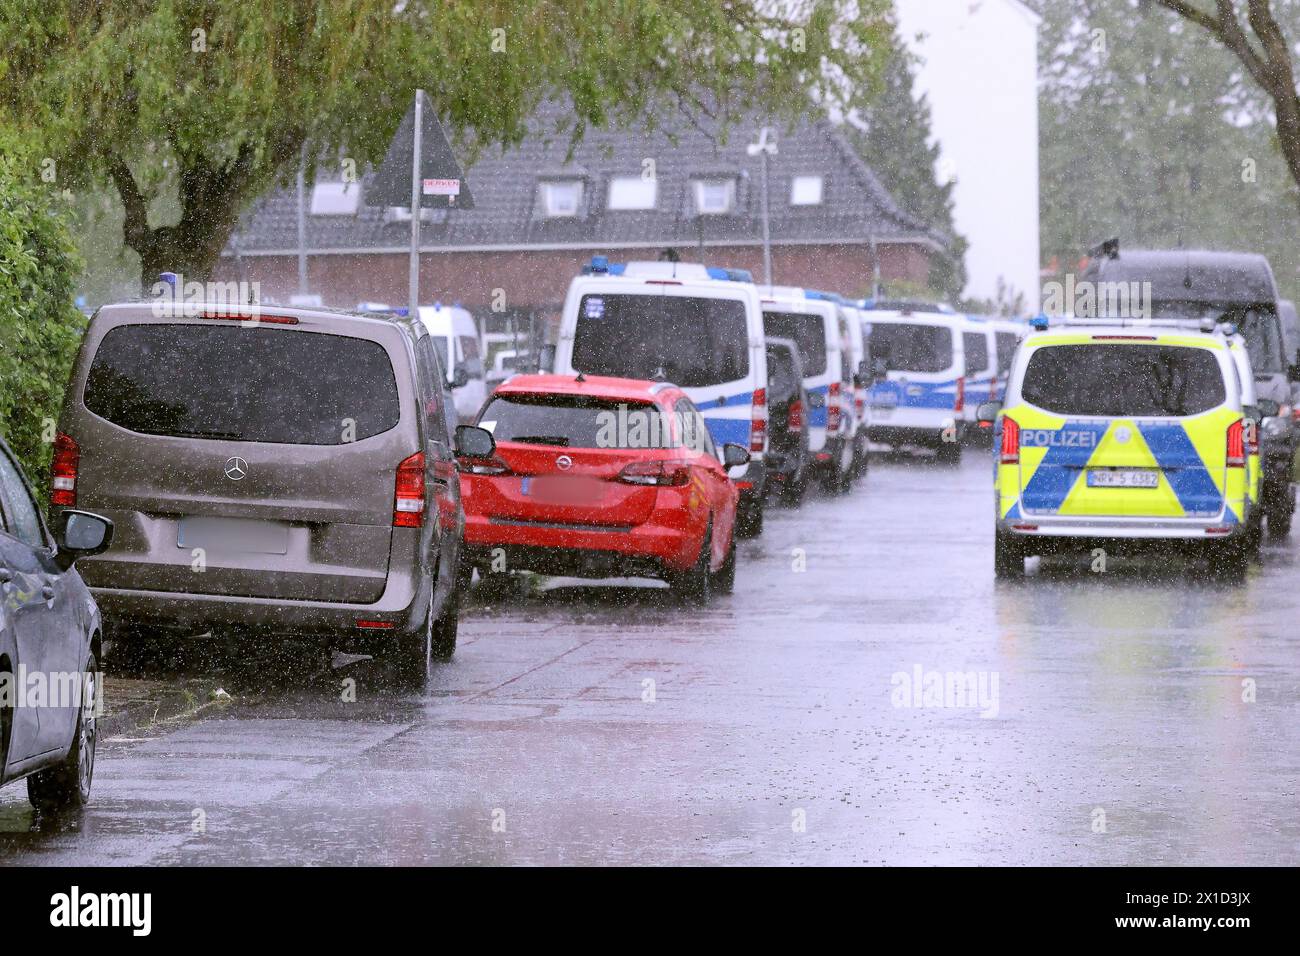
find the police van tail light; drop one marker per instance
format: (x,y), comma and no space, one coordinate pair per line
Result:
(833,407)
(794,417)
(758,424)
(1010,451)
(960,402)
(408,493)
(63,470)
(1237,444)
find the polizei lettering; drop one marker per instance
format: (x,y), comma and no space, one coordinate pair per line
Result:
(1049,438)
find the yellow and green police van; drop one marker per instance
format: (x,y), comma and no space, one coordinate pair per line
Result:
(1122,435)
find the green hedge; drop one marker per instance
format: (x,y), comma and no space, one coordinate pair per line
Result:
(40,324)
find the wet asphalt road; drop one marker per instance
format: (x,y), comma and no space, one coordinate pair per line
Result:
(1119,733)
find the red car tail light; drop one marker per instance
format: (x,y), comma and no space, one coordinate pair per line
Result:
(833,410)
(1237,444)
(63,471)
(960,402)
(660,473)
(758,424)
(408,493)
(1010,451)
(794,417)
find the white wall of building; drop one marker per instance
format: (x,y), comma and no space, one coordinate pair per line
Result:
(979,68)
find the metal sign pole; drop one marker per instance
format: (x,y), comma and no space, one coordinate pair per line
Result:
(415,207)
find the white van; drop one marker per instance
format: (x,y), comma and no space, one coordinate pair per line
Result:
(686,324)
(819,327)
(456,337)
(922,400)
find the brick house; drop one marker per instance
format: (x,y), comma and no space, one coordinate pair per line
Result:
(624,193)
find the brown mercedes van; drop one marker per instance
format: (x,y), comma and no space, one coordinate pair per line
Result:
(279,471)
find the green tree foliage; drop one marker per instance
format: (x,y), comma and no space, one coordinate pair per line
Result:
(39,324)
(1151,133)
(891,132)
(215,101)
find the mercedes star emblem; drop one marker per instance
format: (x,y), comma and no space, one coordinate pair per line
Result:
(236,468)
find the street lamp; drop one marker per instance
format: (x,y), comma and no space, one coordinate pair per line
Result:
(765,147)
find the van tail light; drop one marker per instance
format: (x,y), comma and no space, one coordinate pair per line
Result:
(408,493)
(1237,444)
(661,473)
(794,417)
(758,424)
(63,471)
(959,404)
(833,410)
(1010,451)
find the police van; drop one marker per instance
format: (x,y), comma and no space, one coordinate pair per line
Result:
(922,400)
(699,328)
(816,322)
(860,379)
(1118,434)
(980,346)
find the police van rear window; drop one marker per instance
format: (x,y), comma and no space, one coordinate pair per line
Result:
(233,383)
(912,348)
(808,330)
(1123,380)
(690,341)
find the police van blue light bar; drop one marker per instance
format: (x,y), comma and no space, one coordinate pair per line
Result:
(1039,322)
(730,275)
(601,266)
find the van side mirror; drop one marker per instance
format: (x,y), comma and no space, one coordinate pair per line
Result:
(459,378)
(80,534)
(474,442)
(987,413)
(733,456)
(864,375)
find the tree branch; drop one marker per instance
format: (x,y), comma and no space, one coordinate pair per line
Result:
(135,228)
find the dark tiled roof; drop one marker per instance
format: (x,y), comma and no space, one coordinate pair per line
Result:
(855,206)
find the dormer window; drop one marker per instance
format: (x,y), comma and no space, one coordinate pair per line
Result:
(632,192)
(335,199)
(714,197)
(806,191)
(560,198)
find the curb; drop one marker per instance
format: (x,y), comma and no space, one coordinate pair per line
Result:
(187,699)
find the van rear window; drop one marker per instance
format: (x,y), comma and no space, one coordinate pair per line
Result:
(1123,380)
(806,329)
(690,341)
(237,383)
(912,348)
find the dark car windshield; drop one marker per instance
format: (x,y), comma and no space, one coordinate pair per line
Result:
(1123,380)
(575,421)
(687,340)
(781,382)
(912,348)
(239,383)
(1260,327)
(809,331)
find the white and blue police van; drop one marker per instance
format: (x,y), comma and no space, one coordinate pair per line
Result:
(922,400)
(818,325)
(980,347)
(700,328)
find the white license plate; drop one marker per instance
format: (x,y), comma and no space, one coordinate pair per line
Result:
(1123,478)
(233,535)
(553,490)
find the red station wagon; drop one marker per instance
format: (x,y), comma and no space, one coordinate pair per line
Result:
(601,477)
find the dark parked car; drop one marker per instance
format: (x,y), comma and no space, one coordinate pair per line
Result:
(49,646)
(286,473)
(789,460)
(1234,287)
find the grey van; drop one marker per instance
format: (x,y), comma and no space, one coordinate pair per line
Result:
(1235,287)
(279,472)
